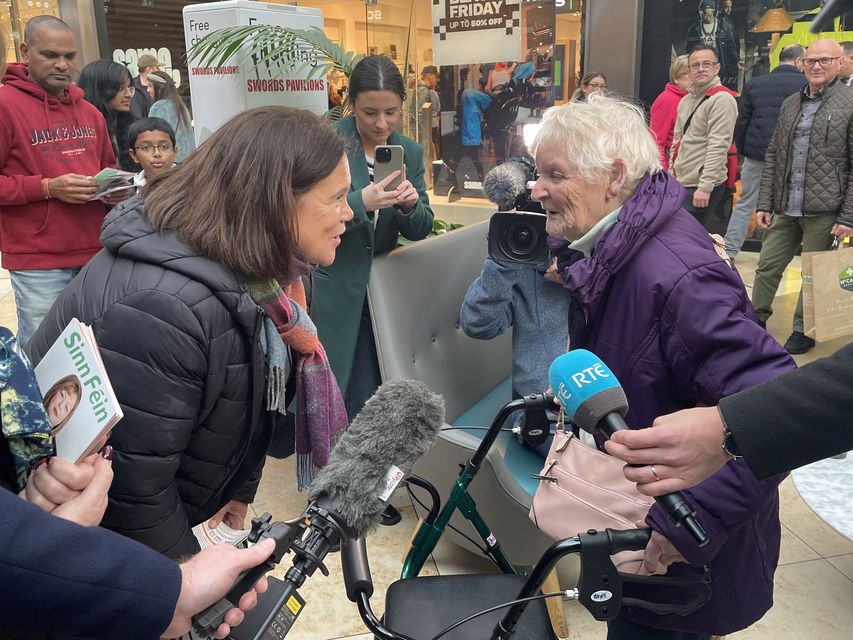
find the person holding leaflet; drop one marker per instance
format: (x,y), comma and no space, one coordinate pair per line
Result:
(653,299)
(120,588)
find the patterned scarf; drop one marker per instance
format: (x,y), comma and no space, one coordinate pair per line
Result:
(25,424)
(320,413)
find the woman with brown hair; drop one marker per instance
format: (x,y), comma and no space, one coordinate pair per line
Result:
(198,307)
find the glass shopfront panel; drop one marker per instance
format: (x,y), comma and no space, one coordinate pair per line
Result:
(14,14)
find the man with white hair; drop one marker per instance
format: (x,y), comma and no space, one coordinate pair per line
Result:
(806,184)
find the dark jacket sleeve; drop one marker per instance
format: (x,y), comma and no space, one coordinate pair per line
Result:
(845,214)
(712,340)
(767,190)
(744,115)
(58,577)
(798,418)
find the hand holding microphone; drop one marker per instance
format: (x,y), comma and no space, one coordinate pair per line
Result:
(593,399)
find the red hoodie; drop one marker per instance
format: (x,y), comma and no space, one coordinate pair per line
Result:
(44,137)
(662,119)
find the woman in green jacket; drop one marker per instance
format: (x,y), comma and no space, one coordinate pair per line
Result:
(376,94)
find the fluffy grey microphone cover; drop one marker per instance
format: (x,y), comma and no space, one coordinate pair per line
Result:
(396,427)
(503,184)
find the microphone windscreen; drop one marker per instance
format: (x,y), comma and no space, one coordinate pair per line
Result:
(586,388)
(505,183)
(396,426)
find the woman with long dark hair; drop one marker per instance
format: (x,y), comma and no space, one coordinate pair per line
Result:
(169,105)
(197,303)
(109,87)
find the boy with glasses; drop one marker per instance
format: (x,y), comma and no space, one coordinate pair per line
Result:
(152,147)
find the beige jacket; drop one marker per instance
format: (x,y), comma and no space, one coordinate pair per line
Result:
(701,158)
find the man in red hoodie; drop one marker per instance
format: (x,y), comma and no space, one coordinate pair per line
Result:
(51,144)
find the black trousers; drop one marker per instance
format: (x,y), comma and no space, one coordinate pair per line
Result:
(704,213)
(623,629)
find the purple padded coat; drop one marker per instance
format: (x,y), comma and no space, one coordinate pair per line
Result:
(674,323)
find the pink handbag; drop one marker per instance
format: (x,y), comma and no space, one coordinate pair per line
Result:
(581,488)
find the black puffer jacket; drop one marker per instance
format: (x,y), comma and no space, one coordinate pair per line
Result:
(759,108)
(179,336)
(829,180)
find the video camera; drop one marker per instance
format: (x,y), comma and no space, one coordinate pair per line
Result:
(516,237)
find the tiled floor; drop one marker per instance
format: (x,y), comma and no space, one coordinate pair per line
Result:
(814,582)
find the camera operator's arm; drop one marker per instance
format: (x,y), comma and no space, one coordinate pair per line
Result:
(487,308)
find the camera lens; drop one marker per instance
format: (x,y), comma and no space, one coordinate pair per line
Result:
(383,155)
(521,239)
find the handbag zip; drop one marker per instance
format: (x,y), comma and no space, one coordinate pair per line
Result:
(637,501)
(614,516)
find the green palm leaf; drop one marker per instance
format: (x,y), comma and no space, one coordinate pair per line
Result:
(273,50)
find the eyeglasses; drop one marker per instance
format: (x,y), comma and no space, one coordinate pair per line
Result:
(164,147)
(596,85)
(130,89)
(824,62)
(695,66)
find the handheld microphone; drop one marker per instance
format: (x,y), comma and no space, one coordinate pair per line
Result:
(397,425)
(505,184)
(594,400)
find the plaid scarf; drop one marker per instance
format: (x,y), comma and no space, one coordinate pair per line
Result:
(320,413)
(24,420)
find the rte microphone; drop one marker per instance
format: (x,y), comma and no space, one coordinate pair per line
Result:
(397,425)
(505,184)
(594,400)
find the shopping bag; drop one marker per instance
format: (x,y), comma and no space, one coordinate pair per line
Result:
(828,294)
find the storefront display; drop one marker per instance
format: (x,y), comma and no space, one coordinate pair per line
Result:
(492,98)
(14,14)
(748,34)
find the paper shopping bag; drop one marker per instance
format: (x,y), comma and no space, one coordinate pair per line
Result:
(828,294)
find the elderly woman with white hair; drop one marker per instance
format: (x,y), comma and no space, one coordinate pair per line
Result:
(653,298)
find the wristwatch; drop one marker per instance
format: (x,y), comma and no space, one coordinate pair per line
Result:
(729,444)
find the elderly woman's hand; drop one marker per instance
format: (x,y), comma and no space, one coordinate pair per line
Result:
(552,275)
(659,554)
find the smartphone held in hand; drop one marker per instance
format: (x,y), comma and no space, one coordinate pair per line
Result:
(388,158)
